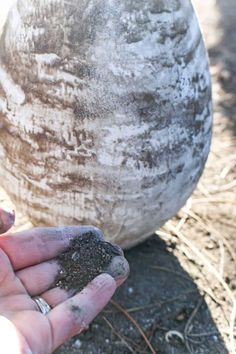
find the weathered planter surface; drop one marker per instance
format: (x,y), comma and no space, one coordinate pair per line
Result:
(105,112)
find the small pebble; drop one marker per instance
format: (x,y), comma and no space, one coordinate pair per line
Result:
(130,290)
(77,344)
(75,256)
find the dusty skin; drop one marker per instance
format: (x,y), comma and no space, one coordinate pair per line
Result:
(27,269)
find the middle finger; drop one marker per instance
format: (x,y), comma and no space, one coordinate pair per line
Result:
(39,278)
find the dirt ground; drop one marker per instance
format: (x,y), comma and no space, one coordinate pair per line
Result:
(180,296)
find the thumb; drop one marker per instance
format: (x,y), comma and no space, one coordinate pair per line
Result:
(7,220)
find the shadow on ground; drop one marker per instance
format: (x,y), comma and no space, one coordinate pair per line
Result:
(161,297)
(224,55)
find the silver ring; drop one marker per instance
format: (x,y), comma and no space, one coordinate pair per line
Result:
(42,305)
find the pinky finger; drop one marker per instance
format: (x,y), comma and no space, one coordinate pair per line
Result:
(73,315)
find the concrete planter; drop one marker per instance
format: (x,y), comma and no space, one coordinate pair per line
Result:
(105,112)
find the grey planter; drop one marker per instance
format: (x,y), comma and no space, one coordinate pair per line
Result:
(105,112)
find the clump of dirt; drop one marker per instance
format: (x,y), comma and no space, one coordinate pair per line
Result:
(87,257)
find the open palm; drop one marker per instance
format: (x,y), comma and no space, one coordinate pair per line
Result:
(27,269)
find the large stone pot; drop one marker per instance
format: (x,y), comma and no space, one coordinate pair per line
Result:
(105,112)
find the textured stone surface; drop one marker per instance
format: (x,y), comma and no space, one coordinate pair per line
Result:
(105,112)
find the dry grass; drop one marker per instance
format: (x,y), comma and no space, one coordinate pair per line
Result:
(204,230)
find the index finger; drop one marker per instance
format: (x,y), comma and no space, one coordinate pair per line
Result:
(74,315)
(27,248)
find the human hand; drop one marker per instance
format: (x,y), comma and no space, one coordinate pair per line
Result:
(27,269)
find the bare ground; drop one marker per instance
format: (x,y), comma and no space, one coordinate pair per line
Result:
(180,296)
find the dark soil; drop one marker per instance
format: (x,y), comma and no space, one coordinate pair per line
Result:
(87,257)
(161,297)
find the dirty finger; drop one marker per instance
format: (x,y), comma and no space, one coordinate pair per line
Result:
(73,315)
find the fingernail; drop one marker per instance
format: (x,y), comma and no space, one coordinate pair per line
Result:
(116,250)
(118,268)
(7,220)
